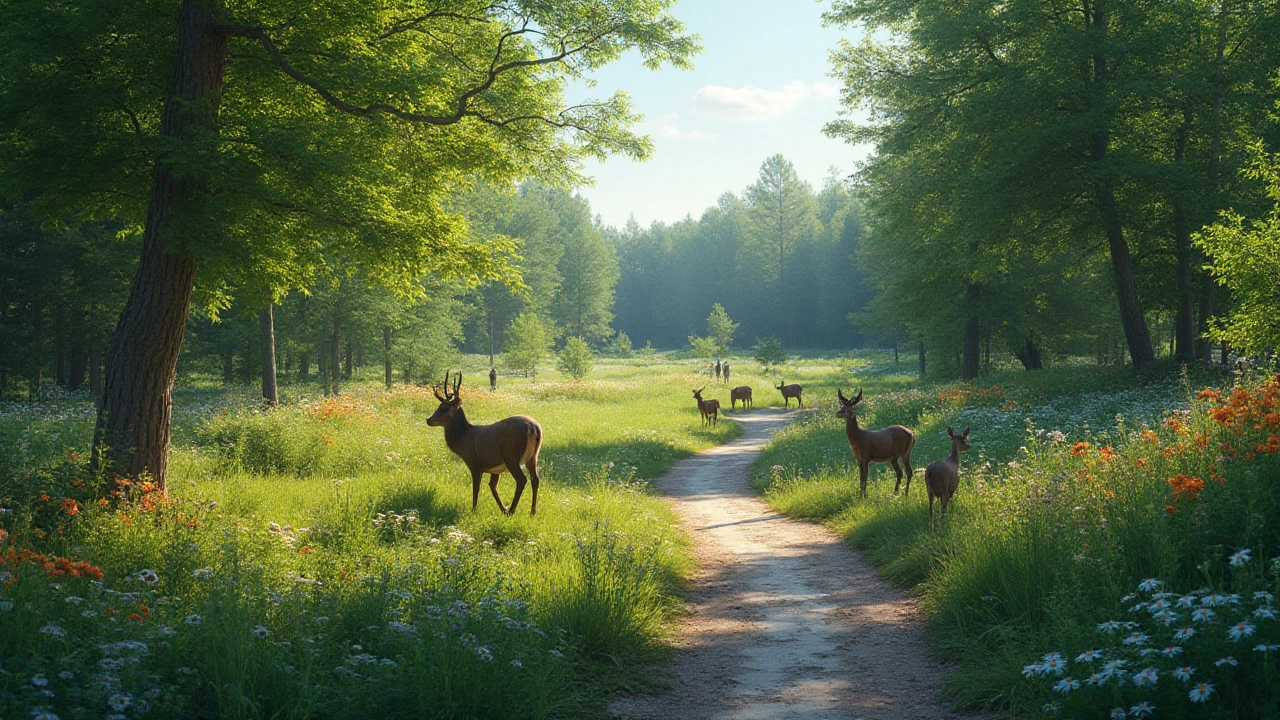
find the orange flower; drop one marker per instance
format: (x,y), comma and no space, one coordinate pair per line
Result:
(44,497)
(1140,462)
(1202,440)
(3,534)
(1149,437)
(135,617)
(328,440)
(70,507)
(102,502)
(1175,425)
(1106,454)
(1209,394)
(305,550)
(72,455)
(1185,486)
(1080,448)
(1171,510)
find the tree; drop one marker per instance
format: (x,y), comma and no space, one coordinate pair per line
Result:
(721,327)
(527,341)
(576,358)
(261,106)
(583,303)
(769,352)
(620,345)
(782,217)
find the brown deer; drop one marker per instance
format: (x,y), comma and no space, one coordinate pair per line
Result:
(493,449)
(942,477)
(790,391)
(708,408)
(870,446)
(743,393)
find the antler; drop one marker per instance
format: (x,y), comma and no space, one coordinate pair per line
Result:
(457,384)
(840,394)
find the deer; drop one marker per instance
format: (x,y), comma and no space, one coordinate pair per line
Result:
(708,408)
(726,373)
(942,477)
(788,392)
(494,449)
(868,446)
(743,393)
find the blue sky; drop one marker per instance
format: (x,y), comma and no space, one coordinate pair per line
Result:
(759,87)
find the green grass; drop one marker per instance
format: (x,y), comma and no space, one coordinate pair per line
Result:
(340,532)
(1047,537)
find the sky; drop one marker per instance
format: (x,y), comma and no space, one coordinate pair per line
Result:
(759,87)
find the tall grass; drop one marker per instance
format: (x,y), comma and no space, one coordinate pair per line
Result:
(1053,526)
(322,559)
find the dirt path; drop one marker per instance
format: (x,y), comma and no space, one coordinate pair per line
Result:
(786,621)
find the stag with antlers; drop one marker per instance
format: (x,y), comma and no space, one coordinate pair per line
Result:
(708,408)
(887,445)
(494,449)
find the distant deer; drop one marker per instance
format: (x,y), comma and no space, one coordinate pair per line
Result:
(743,393)
(790,391)
(870,446)
(942,477)
(717,371)
(708,408)
(493,449)
(726,373)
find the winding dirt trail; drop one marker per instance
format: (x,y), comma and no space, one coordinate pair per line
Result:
(786,620)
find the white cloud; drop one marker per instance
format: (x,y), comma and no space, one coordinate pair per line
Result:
(753,104)
(668,126)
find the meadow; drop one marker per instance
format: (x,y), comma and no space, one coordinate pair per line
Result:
(1111,551)
(321,559)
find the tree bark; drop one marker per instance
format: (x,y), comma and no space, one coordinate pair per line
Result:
(972,359)
(132,432)
(1131,318)
(335,352)
(60,347)
(267,331)
(386,355)
(921,358)
(346,368)
(304,366)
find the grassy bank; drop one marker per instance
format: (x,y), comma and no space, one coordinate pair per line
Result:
(1082,484)
(322,559)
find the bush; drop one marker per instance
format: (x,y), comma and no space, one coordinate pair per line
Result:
(620,346)
(527,341)
(769,352)
(576,358)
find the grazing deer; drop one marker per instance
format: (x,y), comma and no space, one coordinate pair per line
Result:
(870,446)
(790,391)
(942,477)
(708,408)
(743,393)
(493,449)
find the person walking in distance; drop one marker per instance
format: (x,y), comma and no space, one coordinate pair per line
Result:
(493,379)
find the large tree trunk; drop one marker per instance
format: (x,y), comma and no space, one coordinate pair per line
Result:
(1030,354)
(386,355)
(267,330)
(972,359)
(1131,317)
(132,433)
(304,366)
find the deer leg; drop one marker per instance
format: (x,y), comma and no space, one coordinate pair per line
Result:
(533,480)
(800,401)
(518,474)
(862,474)
(493,488)
(896,471)
(475,488)
(930,510)
(906,460)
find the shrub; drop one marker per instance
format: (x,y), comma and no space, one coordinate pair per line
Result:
(576,358)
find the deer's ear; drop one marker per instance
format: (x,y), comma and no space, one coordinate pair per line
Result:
(966,433)
(840,394)
(950,432)
(859,398)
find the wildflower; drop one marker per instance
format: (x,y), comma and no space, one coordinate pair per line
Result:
(517,664)
(483,653)
(120,701)
(43,714)
(1264,613)
(203,573)
(1066,685)
(1187,601)
(1264,596)
(1240,630)
(1137,639)
(1033,669)
(402,627)
(1054,664)
(260,632)
(39,680)
(556,653)
(1200,692)
(1202,614)
(1171,651)
(66,675)
(1142,709)
(1089,656)
(1108,627)
(1117,714)
(1150,585)
(1052,709)
(148,577)
(1080,449)
(193,619)
(52,631)
(1184,673)
(1241,557)
(89,613)
(1146,678)
(1266,648)
(1226,661)
(1166,617)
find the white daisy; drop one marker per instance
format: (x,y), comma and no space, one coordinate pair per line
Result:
(1240,558)
(1142,709)
(1226,661)
(1240,630)
(1089,656)
(260,632)
(1184,634)
(148,577)
(1184,673)
(1066,685)
(1202,614)
(1200,692)
(203,573)
(1147,678)
(1150,585)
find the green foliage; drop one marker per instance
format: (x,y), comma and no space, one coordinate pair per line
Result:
(721,327)
(1245,257)
(769,352)
(620,345)
(704,347)
(528,341)
(576,358)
